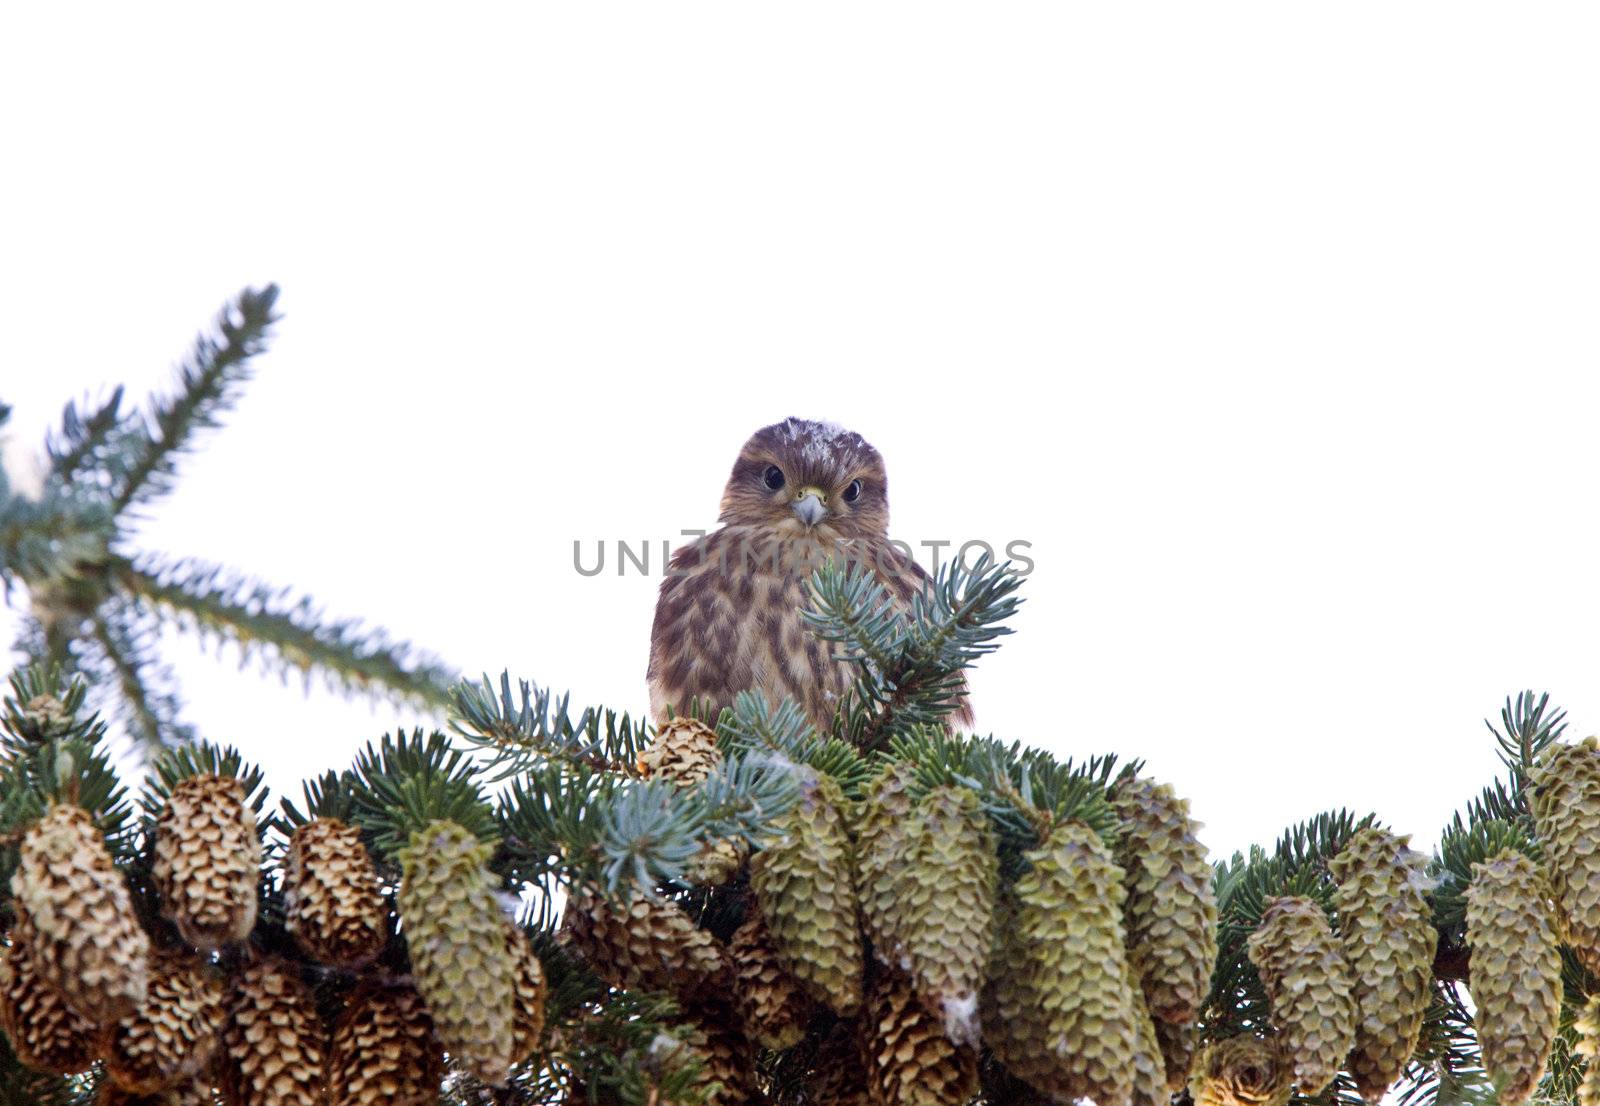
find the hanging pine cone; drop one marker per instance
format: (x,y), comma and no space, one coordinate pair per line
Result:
(383,1052)
(1566,809)
(528,978)
(173,1036)
(1308,983)
(644,942)
(1516,971)
(775,1008)
(76,915)
(1386,926)
(1176,1044)
(332,897)
(1171,913)
(1150,1077)
(913,1062)
(1058,1011)
(1241,1071)
(684,751)
(841,1075)
(882,826)
(718,861)
(273,1039)
(946,908)
(804,883)
(460,959)
(44,1033)
(208,861)
(1588,1046)
(726,1061)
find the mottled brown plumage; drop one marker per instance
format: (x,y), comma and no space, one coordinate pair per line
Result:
(728,618)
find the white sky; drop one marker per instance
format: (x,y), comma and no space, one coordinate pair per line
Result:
(1272,327)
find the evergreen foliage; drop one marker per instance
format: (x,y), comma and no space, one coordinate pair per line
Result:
(789,861)
(94,604)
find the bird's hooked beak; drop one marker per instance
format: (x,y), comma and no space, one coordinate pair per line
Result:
(810,506)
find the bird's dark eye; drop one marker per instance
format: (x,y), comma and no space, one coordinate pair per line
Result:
(853,492)
(773,477)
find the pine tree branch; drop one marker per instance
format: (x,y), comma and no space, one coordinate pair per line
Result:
(146,707)
(288,636)
(82,438)
(909,663)
(49,540)
(522,731)
(208,385)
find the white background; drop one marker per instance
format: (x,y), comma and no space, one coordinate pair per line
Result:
(1271,326)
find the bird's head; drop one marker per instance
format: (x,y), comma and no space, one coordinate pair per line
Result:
(797,478)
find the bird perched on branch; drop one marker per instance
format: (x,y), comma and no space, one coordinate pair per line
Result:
(728,617)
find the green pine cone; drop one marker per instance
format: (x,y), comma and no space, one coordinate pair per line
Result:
(805,886)
(460,961)
(1308,983)
(1516,971)
(882,825)
(1588,1046)
(946,911)
(1150,1079)
(1566,809)
(1059,1010)
(1171,915)
(1386,926)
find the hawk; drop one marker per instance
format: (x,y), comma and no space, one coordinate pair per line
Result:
(728,617)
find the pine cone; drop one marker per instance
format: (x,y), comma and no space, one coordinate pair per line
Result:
(1151,1079)
(718,861)
(1171,914)
(44,1033)
(1059,1012)
(1241,1071)
(273,1039)
(684,751)
(804,883)
(1308,983)
(1386,926)
(1566,809)
(913,1063)
(173,1036)
(76,915)
(946,909)
(726,1062)
(1588,1046)
(460,959)
(841,1073)
(208,861)
(882,826)
(1516,971)
(332,897)
(528,977)
(383,1052)
(775,1008)
(645,943)
(42,718)
(1176,1043)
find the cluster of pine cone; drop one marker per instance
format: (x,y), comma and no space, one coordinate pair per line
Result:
(871,951)
(1349,998)
(1354,997)
(196,1011)
(878,942)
